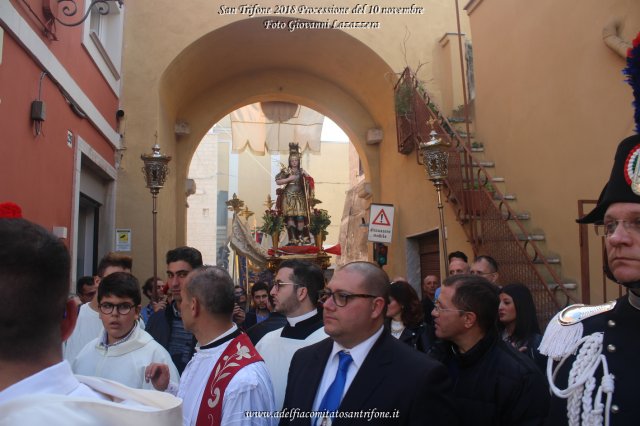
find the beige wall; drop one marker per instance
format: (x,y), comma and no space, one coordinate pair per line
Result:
(330,172)
(188,63)
(202,212)
(551,105)
(449,74)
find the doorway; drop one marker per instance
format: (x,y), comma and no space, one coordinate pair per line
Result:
(429,250)
(88,236)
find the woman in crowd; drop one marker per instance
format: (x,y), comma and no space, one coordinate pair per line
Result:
(518,321)
(405,316)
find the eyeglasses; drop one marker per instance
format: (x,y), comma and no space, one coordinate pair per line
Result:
(607,228)
(277,284)
(437,307)
(121,308)
(340,298)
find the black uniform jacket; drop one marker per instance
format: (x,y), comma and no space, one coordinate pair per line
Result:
(621,347)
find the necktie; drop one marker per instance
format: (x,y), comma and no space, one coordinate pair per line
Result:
(331,399)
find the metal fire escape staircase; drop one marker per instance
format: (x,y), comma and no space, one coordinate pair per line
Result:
(492,226)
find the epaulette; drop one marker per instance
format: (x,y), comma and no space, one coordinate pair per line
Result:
(565,328)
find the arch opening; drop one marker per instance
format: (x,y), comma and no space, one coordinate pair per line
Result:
(328,71)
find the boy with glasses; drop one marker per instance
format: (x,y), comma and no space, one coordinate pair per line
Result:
(124,350)
(89,325)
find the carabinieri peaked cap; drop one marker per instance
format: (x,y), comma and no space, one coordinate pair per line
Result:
(624,183)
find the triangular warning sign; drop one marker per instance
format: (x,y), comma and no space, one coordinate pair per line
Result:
(381,219)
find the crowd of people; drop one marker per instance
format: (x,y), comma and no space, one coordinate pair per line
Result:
(356,349)
(359,349)
(311,350)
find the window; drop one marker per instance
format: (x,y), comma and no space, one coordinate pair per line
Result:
(103,40)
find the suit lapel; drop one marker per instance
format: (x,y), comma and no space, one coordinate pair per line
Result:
(315,370)
(371,373)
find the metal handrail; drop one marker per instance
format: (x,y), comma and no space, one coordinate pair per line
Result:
(476,209)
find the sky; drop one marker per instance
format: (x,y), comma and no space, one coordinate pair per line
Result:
(331,132)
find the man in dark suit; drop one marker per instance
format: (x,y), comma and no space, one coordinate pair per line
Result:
(361,374)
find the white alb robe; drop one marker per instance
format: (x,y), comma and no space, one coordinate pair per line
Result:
(249,389)
(125,362)
(277,352)
(55,397)
(88,327)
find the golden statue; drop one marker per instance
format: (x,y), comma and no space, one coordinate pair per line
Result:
(295,200)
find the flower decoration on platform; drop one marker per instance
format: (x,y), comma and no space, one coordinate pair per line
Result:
(319,222)
(272,222)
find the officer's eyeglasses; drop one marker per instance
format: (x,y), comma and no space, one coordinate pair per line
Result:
(340,298)
(121,308)
(607,228)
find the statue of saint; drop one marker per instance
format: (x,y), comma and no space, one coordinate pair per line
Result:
(295,200)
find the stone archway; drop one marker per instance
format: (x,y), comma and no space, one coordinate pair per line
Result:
(240,63)
(328,71)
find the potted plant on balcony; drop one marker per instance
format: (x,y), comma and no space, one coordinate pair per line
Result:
(408,92)
(318,224)
(272,224)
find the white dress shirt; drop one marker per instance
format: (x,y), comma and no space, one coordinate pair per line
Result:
(358,353)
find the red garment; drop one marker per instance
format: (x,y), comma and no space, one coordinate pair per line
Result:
(238,354)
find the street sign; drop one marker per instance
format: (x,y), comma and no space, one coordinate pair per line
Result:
(381,223)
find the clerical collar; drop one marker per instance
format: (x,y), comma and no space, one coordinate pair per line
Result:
(295,320)
(230,334)
(634,300)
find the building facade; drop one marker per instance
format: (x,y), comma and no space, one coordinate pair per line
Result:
(60,94)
